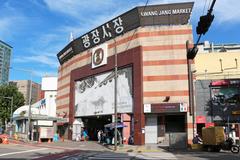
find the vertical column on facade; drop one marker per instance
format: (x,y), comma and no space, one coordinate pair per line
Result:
(139,117)
(71,108)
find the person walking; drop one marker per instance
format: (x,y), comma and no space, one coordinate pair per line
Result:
(85,135)
(99,135)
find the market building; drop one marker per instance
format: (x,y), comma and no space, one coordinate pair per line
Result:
(149,46)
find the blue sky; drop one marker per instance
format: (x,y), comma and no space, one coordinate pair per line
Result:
(38,29)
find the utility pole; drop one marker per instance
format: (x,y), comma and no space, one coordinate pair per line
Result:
(28,128)
(203,26)
(115,94)
(11,118)
(29,108)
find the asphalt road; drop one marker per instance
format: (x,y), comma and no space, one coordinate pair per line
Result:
(18,151)
(182,155)
(94,151)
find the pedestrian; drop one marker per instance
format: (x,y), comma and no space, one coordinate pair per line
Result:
(197,139)
(85,135)
(130,140)
(99,135)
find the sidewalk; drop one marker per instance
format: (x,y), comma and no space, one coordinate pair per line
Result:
(65,145)
(92,145)
(136,148)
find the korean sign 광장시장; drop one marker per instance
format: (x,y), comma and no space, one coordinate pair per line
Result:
(168,14)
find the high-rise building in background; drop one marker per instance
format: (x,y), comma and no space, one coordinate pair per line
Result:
(5,55)
(24,87)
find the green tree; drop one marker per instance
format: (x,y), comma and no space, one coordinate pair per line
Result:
(5,103)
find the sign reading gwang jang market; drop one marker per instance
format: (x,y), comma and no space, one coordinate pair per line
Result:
(167,14)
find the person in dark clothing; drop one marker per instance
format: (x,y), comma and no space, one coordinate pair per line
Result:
(197,139)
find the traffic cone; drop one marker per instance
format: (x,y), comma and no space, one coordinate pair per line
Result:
(49,140)
(5,140)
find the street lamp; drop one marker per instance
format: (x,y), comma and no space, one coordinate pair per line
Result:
(29,100)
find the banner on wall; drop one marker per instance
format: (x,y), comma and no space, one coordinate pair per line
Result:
(46,132)
(95,95)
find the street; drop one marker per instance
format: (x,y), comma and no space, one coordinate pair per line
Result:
(91,150)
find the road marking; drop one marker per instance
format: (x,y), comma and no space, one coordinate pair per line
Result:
(5,154)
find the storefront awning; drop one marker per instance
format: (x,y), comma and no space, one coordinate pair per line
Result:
(112,125)
(220,83)
(37,117)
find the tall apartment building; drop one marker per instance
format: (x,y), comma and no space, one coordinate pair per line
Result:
(5,54)
(24,87)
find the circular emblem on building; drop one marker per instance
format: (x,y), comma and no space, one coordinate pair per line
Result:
(98,56)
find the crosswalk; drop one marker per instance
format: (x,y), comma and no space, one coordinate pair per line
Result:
(120,156)
(98,156)
(157,156)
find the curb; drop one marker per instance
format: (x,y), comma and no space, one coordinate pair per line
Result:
(132,149)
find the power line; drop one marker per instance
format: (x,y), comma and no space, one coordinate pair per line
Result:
(204,6)
(209,3)
(202,28)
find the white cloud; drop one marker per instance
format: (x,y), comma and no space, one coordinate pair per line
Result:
(48,44)
(4,26)
(227,11)
(47,39)
(79,8)
(44,73)
(224,10)
(8,25)
(42,59)
(79,29)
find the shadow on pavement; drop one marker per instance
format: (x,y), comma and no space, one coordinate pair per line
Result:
(80,154)
(222,155)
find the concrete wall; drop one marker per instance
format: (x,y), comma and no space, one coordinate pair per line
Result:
(202,94)
(208,65)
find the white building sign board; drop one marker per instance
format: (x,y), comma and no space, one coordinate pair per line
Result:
(147,108)
(99,55)
(183,107)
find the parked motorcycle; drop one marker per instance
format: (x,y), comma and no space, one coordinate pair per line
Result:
(229,145)
(214,140)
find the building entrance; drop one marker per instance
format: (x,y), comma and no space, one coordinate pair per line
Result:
(94,123)
(165,129)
